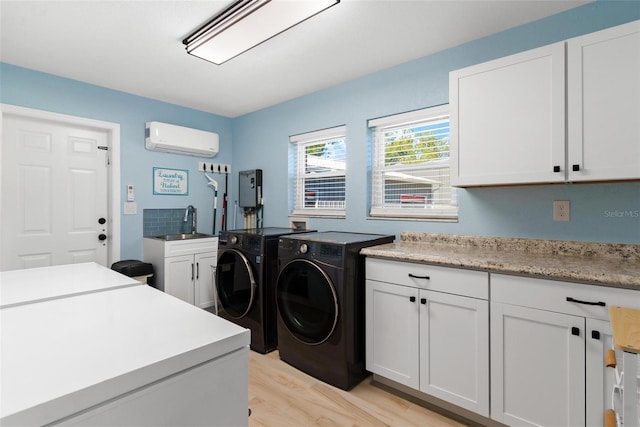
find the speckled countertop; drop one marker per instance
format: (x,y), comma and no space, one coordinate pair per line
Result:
(615,265)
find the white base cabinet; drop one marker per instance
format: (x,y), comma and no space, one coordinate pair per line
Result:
(537,367)
(185,269)
(531,355)
(548,345)
(427,339)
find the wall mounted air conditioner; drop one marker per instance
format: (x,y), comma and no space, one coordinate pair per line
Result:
(181,140)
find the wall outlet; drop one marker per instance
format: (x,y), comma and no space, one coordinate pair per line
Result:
(561,210)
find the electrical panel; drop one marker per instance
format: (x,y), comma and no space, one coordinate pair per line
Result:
(250,189)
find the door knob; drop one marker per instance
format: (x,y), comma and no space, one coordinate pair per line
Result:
(102,221)
(102,237)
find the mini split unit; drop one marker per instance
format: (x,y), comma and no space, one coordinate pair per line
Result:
(180,140)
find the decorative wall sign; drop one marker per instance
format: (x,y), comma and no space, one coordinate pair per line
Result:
(173,182)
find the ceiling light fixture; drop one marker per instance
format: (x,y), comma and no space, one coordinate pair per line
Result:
(248,23)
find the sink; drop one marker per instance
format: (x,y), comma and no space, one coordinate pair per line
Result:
(189,236)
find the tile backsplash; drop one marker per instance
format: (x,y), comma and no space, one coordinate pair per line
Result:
(156,222)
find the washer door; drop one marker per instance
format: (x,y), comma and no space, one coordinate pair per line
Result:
(307,301)
(235,283)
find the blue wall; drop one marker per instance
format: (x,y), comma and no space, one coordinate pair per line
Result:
(27,88)
(260,140)
(514,211)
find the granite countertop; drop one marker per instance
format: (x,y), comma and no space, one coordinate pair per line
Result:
(614,265)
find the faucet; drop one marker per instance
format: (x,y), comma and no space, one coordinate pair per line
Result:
(194,221)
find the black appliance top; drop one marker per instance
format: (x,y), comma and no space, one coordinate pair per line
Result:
(268,231)
(340,237)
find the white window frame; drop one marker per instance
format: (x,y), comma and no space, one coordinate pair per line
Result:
(436,212)
(297,172)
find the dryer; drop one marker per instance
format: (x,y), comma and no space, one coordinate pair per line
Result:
(320,293)
(245,280)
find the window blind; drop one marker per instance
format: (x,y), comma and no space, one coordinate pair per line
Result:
(317,166)
(410,166)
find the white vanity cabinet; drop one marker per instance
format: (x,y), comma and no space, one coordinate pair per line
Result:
(514,118)
(427,327)
(548,340)
(184,268)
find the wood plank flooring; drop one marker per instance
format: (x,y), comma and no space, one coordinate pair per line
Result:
(282,396)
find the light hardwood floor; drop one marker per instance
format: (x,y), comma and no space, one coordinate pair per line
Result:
(282,396)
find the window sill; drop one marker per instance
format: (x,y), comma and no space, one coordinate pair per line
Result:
(316,213)
(413,216)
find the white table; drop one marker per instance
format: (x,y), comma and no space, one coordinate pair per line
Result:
(124,356)
(39,284)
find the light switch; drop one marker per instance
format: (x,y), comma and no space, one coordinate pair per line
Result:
(130,208)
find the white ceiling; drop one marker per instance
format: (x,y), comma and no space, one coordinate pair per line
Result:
(135,46)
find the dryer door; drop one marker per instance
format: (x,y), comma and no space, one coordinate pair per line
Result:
(235,283)
(307,301)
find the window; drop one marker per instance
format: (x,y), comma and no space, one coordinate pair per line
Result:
(410,166)
(317,170)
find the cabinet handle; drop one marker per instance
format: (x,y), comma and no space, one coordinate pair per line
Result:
(556,168)
(595,335)
(413,276)
(191,271)
(575,168)
(423,300)
(412,299)
(197,270)
(600,303)
(575,331)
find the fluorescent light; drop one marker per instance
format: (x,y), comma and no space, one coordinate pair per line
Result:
(247,23)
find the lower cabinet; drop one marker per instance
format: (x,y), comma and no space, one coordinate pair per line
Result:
(531,355)
(427,339)
(537,367)
(548,346)
(190,278)
(184,269)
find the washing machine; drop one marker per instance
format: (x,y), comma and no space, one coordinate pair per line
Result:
(245,281)
(320,294)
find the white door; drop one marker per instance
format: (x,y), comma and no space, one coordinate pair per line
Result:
(179,277)
(454,349)
(600,379)
(537,367)
(205,282)
(54,194)
(508,119)
(604,104)
(392,322)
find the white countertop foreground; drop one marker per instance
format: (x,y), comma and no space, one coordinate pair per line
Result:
(64,355)
(40,284)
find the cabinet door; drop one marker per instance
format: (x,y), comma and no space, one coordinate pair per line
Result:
(600,379)
(392,332)
(454,349)
(537,367)
(604,104)
(179,277)
(205,282)
(508,119)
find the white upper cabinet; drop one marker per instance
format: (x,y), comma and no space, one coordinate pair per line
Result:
(508,119)
(569,111)
(603,84)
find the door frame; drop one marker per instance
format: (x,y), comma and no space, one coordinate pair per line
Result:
(113,172)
